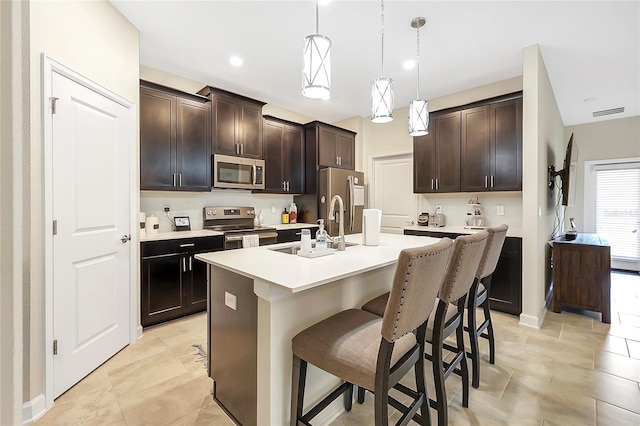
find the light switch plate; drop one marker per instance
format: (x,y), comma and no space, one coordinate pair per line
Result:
(230,300)
(500,211)
(273,209)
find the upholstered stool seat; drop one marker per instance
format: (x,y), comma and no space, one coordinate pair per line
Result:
(446,317)
(346,345)
(374,352)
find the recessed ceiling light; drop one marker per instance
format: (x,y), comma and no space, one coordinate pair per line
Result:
(407,65)
(236,61)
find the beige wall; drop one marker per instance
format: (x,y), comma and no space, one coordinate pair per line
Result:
(14,48)
(543,143)
(93,39)
(192,86)
(604,140)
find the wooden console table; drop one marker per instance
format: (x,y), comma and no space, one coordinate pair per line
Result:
(582,274)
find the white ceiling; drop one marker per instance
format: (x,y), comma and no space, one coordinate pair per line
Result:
(591,49)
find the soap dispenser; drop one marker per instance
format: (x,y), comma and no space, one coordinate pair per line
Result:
(321,239)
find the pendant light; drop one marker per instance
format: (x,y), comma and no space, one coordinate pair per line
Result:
(418,108)
(316,69)
(382,88)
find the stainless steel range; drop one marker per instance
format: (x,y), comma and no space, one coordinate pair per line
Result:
(237,222)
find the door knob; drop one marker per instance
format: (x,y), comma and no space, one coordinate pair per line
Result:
(125,238)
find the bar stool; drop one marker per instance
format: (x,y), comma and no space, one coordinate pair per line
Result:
(446,316)
(479,296)
(375,353)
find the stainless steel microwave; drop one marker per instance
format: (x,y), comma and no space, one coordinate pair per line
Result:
(237,172)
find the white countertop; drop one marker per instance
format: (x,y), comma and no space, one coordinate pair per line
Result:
(296,273)
(459,230)
(179,234)
(210,233)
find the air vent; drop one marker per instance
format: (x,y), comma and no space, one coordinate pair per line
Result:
(608,112)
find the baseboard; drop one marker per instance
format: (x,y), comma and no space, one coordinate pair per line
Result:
(534,321)
(139,331)
(33,410)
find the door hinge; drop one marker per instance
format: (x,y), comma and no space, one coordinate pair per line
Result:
(53,104)
(55,227)
(55,347)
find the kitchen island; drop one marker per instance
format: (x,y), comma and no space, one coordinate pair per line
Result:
(259,298)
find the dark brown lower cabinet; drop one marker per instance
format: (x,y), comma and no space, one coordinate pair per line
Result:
(506,283)
(173,283)
(582,274)
(290,235)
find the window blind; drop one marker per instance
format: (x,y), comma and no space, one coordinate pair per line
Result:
(618,209)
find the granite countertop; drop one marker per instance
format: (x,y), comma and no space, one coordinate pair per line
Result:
(296,273)
(459,230)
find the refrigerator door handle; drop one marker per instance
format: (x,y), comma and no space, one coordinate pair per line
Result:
(352,206)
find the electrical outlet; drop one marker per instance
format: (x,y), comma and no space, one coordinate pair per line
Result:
(438,209)
(166,209)
(500,211)
(273,209)
(230,300)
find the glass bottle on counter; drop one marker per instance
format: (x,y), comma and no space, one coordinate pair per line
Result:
(285,216)
(293,213)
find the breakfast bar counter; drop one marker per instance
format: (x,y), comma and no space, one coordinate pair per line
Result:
(259,298)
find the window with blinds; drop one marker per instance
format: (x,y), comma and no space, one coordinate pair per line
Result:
(617,209)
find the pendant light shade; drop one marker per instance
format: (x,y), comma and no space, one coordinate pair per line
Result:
(382,88)
(382,100)
(418,118)
(316,68)
(418,108)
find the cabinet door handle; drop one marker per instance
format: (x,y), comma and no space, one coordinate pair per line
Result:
(284,186)
(486,184)
(288,187)
(188,245)
(492,181)
(340,158)
(180,179)
(437,184)
(241,148)
(190,263)
(337,160)
(174,179)
(184,265)
(432,184)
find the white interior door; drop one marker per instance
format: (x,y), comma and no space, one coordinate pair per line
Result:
(91,139)
(392,190)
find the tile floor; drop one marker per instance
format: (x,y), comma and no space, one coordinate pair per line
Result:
(575,370)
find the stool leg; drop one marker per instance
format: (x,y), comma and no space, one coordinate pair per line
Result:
(298,378)
(472,327)
(348,398)
(421,386)
(360,395)
(487,317)
(463,360)
(437,339)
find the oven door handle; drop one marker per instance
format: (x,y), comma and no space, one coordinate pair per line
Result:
(261,235)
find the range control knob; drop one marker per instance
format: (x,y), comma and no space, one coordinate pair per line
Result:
(251,212)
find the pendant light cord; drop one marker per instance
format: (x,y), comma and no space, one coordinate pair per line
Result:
(418,65)
(382,33)
(317,31)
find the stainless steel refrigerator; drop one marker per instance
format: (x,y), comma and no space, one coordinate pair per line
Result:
(349,185)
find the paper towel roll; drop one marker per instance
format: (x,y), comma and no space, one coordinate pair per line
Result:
(371,222)
(152,224)
(142,221)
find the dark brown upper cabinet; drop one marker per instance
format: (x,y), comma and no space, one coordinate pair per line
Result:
(283,156)
(473,148)
(333,146)
(236,123)
(436,163)
(492,147)
(175,140)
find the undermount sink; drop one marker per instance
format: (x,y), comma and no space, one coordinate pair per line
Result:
(294,248)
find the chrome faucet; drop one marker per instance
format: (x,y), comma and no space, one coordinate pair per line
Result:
(332,215)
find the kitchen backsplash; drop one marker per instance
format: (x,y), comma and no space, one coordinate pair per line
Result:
(456,206)
(191,204)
